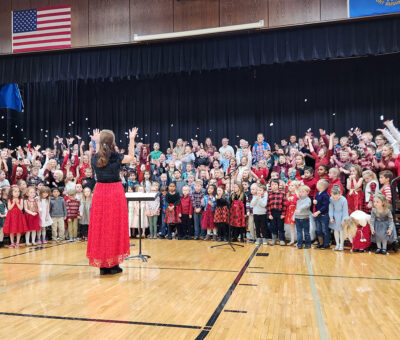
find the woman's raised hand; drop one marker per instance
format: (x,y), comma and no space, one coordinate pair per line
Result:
(133,133)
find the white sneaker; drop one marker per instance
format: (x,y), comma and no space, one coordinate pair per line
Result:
(290,243)
(265,242)
(28,244)
(272,242)
(336,248)
(258,241)
(282,243)
(341,248)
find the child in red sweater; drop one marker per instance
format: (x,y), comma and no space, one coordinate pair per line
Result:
(186,214)
(334,174)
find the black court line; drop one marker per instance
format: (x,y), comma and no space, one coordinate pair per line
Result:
(226,297)
(31,250)
(136,267)
(248,284)
(262,254)
(256,267)
(329,276)
(235,311)
(101,320)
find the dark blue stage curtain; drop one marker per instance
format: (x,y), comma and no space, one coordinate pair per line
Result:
(317,42)
(336,95)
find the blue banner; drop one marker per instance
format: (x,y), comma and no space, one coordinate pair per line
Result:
(361,8)
(10,97)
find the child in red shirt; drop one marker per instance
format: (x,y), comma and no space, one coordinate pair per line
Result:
(186,214)
(334,180)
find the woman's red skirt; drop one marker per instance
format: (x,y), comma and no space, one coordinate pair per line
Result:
(33,222)
(237,214)
(108,239)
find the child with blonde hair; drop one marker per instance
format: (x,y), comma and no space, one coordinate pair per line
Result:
(46,221)
(381,224)
(337,213)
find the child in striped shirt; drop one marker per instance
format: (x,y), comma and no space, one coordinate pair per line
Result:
(385,177)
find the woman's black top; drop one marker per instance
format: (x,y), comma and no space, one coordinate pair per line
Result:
(110,172)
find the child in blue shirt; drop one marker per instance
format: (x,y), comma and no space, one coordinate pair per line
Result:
(321,214)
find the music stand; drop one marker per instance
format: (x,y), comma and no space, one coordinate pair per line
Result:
(229,243)
(140,197)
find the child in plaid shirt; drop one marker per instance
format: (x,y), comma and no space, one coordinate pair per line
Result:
(197,197)
(276,210)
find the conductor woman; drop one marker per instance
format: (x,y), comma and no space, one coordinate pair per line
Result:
(108,239)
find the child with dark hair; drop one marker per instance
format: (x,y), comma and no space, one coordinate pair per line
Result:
(276,210)
(172,200)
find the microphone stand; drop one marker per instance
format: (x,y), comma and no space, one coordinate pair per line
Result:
(140,255)
(229,243)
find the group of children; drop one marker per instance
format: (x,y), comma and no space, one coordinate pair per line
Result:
(31,211)
(253,193)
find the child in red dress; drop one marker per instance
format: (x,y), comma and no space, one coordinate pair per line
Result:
(291,201)
(15,222)
(355,196)
(207,219)
(32,215)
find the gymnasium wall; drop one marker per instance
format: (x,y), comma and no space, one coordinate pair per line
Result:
(104,22)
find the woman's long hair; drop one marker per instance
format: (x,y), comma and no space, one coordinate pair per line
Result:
(107,145)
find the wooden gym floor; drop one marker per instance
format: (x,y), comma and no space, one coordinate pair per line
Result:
(189,291)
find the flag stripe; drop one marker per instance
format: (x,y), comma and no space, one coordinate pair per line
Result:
(53,21)
(42,33)
(41,29)
(41,46)
(54,17)
(41,36)
(35,42)
(45,15)
(51,27)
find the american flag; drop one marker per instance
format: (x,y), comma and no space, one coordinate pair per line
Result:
(41,29)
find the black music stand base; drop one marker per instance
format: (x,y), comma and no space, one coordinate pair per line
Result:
(232,245)
(140,256)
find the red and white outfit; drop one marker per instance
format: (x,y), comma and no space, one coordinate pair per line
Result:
(355,199)
(370,190)
(290,209)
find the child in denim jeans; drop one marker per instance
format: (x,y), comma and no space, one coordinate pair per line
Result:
(321,214)
(302,216)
